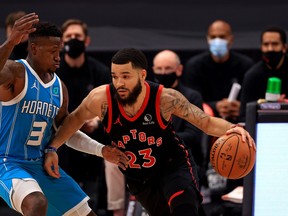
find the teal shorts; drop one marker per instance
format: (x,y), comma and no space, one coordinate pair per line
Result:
(62,194)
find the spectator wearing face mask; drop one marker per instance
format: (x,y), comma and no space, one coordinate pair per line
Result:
(20,51)
(274,63)
(167,69)
(213,72)
(81,73)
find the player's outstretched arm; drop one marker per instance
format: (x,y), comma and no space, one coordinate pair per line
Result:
(173,102)
(22,26)
(81,142)
(89,108)
(11,72)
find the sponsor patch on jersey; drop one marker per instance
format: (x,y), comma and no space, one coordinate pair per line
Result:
(148,120)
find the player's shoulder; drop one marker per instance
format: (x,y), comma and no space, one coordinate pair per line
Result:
(12,70)
(100,89)
(99,92)
(169,94)
(170,100)
(97,100)
(13,66)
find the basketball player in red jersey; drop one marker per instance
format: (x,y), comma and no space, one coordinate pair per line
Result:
(137,116)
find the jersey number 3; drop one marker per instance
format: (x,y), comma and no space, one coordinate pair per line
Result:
(37,133)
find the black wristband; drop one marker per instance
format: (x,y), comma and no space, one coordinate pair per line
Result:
(50,149)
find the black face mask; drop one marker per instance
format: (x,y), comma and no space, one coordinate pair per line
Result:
(74,48)
(166,79)
(272,58)
(20,50)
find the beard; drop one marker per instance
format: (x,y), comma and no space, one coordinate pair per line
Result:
(132,96)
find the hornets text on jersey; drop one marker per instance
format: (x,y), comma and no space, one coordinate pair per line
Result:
(26,120)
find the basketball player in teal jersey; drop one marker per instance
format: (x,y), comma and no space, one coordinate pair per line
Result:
(138,114)
(32,99)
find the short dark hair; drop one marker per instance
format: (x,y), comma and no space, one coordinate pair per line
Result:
(126,55)
(69,22)
(45,29)
(13,16)
(275,29)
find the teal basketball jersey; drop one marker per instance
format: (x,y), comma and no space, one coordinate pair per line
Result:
(26,121)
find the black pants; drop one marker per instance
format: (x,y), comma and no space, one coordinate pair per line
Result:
(171,188)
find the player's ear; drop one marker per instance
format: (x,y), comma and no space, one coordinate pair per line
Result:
(143,74)
(33,48)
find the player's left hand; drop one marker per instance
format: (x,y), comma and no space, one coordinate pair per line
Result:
(245,135)
(51,164)
(114,155)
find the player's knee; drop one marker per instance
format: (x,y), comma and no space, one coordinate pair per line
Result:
(25,193)
(34,202)
(40,201)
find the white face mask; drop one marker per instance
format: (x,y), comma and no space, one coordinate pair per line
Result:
(218,47)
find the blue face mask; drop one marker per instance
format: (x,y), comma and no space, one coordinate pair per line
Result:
(218,47)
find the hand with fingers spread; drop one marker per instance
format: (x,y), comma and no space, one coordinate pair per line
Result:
(23,26)
(114,155)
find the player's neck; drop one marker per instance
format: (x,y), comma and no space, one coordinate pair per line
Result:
(45,76)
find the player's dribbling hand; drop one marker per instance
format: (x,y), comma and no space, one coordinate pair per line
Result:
(245,135)
(51,164)
(114,155)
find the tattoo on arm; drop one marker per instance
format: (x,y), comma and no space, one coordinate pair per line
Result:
(104,107)
(175,103)
(168,104)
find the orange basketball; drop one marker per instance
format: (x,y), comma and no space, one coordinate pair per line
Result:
(232,158)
